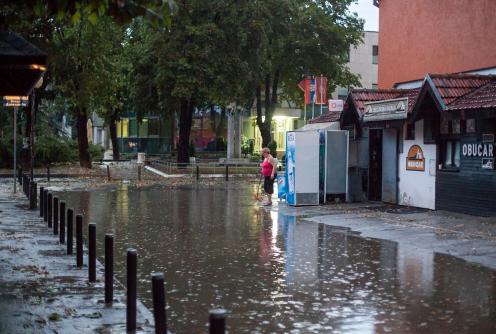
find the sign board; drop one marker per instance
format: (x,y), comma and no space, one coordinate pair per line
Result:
(386,110)
(15,101)
(335,105)
(487,163)
(415,159)
(478,150)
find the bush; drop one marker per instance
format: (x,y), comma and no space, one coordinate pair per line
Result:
(220,144)
(96,152)
(6,153)
(273,148)
(247,146)
(50,149)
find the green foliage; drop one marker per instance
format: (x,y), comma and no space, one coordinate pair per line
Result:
(220,144)
(273,148)
(247,146)
(51,149)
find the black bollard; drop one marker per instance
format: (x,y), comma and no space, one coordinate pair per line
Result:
(131,290)
(227,172)
(62,222)
(48,173)
(217,319)
(108,173)
(109,268)
(55,215)
(159,313)
(197,172)
(49,209)
(45,205)
(70,233)
(33,195)
(41,201)
(92,252)
(79,241)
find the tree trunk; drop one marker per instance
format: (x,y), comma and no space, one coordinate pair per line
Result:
(185,121)
(263,126)
(113,136)
(82,131)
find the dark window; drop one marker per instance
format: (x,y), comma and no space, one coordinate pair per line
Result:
(375,54)
(410,132)
(133,127)
(470,125)
(456,127)
(451,153)
(153,127)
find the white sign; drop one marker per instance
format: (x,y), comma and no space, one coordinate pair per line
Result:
(478,150)
(386,110)
(335,105)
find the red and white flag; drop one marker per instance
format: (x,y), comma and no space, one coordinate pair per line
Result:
(320,90)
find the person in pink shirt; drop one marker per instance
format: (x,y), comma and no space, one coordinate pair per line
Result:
(269,174)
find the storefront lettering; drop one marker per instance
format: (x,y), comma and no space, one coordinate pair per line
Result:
(415,159)
(478,150)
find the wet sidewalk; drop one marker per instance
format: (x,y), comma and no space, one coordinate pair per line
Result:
(470,238)
(41,289)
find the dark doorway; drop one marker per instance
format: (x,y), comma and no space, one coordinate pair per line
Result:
(375,164)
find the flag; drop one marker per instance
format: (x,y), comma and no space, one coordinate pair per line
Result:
(304,85)
(320,90)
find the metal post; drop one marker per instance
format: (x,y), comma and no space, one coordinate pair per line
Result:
(108,173)
(92,252)
(158,293)
(217,319)
(139,172)
(70,233)
(45,205)
(42,203)
(33,197)
(227,172)
(62,222)
(131,290)
(48,173)
(197,172)
(109,268)
(15,148)
(49,209)
(55,215)
(79,241)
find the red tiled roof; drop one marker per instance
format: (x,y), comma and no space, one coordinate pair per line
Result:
(332,116)
(453,86)
(362,96)
(481,98)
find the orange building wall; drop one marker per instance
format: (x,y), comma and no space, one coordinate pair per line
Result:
(417,37)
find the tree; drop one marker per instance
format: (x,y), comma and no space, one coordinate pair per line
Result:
(299,38)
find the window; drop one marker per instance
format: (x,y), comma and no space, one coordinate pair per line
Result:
(133,127)
(153,127)
(375,54)
(470,125)
(410,132)
(455,127)
(342,93)
(451,154)
(375,86)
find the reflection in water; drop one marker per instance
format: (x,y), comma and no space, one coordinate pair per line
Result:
(276,274)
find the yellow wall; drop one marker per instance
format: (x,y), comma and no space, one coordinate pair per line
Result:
(122,128)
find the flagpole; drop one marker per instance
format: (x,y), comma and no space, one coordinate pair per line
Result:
(313,98)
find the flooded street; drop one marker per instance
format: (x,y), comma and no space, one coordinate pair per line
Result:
(277,274)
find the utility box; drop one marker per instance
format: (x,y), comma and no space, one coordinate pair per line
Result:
(302,167)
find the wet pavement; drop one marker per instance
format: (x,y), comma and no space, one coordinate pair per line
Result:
(41,291)
(365,268)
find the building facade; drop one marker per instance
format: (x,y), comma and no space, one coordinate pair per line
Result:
(362,60)
(442,36)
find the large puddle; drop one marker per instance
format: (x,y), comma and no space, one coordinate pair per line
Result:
(275,274)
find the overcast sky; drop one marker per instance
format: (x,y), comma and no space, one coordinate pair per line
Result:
(367,11)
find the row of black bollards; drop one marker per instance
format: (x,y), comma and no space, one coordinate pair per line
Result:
(55,213)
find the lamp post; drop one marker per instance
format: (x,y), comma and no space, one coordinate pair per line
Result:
(15,150)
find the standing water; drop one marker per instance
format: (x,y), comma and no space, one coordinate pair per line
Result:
(276,274)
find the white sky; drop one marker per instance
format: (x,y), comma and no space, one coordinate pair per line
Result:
(367,11)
